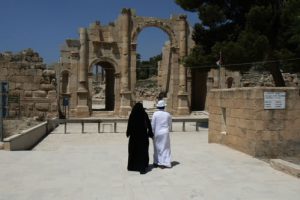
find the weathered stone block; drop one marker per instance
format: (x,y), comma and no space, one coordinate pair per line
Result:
(293,135)
(39,72)
(232,121)
(292,114)
(30,106)
(218,127)
(37,79)
(19,86)
(215,110)
(4,72)
(215,118)
(39,94)
(30,72)
(47,72)
(47,87)
(269,135)
(27,86)
(35,87)
(51,94)
(53,107)
(274,125)
(238,113)
(28,93)
(44,107)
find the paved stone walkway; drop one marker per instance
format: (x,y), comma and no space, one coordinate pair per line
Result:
(92,166)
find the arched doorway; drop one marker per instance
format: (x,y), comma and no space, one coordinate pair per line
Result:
(199,89)
(229,82)
(101,83)
(151,64)
(169,66)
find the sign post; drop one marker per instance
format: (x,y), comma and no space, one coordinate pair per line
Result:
(1,117)
(3,105)
(65,104)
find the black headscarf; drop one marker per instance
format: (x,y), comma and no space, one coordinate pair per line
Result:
(138,120)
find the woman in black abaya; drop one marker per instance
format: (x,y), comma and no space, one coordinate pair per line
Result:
(138,130)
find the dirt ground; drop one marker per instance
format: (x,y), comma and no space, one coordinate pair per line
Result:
(16,126)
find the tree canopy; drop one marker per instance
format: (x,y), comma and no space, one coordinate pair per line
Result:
(247,33)
(147,68)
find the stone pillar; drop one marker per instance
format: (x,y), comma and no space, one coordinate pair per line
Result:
(132,76)
(222,77)
(173,81)
(125,90)
(183,107)
(82,91)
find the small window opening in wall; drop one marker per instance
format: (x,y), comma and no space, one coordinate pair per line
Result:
(223,122)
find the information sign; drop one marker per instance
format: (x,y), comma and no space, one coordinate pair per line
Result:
(274,100)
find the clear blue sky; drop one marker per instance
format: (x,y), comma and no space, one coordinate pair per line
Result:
(43,25)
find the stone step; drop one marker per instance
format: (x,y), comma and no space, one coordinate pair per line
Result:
(286,167)
(102,113)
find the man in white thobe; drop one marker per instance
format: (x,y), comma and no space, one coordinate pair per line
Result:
(161,125)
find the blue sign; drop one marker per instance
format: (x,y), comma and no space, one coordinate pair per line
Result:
(4,98)
(65,101)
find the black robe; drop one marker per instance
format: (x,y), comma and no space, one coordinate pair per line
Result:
(138,130)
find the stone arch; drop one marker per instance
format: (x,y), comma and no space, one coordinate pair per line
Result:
(104,59)
(154,23)
(168,27)
(229,82)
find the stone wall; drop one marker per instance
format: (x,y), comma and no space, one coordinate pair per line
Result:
(251,78)
(29,79)
(238,119)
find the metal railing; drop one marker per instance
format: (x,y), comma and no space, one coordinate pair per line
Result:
(115,121)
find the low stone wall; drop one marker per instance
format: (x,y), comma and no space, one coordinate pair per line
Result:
(27,139)
(238,119)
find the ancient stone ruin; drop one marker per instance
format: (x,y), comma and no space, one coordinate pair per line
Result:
(113,47)
(32,90)
(97,73)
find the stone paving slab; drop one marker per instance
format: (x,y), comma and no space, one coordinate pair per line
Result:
(93,166)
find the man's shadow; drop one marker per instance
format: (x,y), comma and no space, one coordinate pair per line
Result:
(152,166)
(174,163)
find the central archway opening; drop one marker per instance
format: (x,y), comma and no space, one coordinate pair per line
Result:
(151,63)
(199,89)
(102,86)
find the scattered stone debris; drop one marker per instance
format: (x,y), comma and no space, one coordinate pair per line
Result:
(147,89)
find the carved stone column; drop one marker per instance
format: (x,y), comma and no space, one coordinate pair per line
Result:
(132,73)
(183,107)
(82,91)
(125,64)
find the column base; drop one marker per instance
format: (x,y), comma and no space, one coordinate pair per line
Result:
(125,107)
(183,105)
(82,111)
(125,111)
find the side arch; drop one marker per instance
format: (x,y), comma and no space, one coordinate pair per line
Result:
(111,61)
(109,90)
